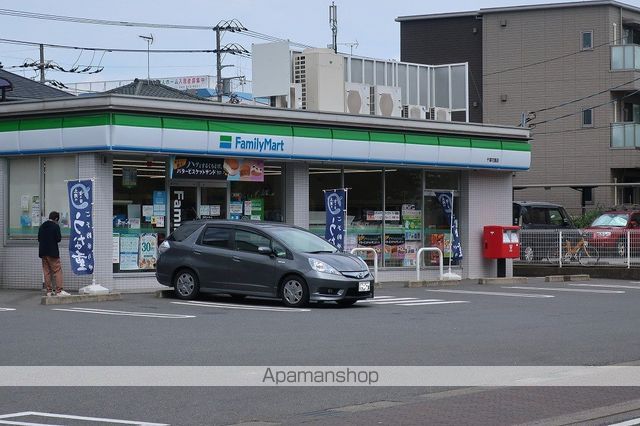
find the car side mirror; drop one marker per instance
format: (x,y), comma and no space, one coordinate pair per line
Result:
(265,250)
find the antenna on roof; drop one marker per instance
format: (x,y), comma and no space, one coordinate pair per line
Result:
(333,23)
(149,40)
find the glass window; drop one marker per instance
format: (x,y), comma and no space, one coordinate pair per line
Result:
(403,225)
(424,86)
(441,86)
(555,217)
(259,200)
(586,40)
(303,241)
(25,207)
(402,81)
(216,237)
(458,87)
(320,179)
(413,84)
(183,232)
(364,210)
(356,70)
(380,74)
(368,71)
(250,241)
(278,249)
(57,171)
(587,118)
(436,224)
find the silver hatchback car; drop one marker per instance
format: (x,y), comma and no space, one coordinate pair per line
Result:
(263,259)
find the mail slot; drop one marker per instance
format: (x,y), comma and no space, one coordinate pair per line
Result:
(501,242)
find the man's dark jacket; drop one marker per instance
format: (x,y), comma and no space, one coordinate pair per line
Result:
(49,237)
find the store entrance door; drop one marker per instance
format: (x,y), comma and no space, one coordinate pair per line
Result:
(183,205)
(213,201)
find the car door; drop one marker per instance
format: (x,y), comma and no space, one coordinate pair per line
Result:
(253,272)
(212,256)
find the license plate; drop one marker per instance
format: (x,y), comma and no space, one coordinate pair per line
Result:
(364,286)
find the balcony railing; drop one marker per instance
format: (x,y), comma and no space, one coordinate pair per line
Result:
(625,57)
(625,135)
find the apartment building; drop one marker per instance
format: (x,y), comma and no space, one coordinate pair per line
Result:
(569,71)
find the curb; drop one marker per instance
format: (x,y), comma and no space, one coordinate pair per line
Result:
(562,278)
(80,298)
(431,283)
(503,280)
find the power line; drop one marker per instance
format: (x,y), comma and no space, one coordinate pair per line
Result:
(105,49)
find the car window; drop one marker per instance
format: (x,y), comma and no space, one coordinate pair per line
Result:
(250,241)
(611,219)
(555,217)
(184,231)
(216,237)
(516,214)
(537,216)
(279,250)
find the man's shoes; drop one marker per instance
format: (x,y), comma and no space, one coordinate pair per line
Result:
(63,293)
(50,293)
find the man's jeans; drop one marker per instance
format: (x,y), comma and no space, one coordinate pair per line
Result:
(52,268)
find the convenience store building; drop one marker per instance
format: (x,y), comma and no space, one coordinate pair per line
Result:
(159,162)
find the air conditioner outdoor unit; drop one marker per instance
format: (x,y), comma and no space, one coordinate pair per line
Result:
(386,101)
(357,98)
(439,114)
(414,112)
(295,96)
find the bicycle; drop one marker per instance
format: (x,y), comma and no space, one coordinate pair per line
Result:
(582,253)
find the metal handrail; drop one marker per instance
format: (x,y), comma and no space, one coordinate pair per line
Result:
(375,260)
(419,258)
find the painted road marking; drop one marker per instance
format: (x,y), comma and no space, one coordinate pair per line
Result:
(433,302)
(70,417)
(390,301)
(6,309)
(124,313)
(245,307)
(631,422)
(383,297)
(608,285)
(496,293)
(575,290)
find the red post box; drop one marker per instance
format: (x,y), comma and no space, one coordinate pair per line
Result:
(501,242)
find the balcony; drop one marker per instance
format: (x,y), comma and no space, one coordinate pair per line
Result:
(625,135)
(625,57)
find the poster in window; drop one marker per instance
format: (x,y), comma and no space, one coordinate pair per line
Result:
(129,247)
(244,170)
(148,254)
(412,221)
(394,246)
(115,255)
(198,168)
(129,177)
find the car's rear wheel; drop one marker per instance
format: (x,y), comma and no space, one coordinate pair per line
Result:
(621,248)
(294,291)
(346,302)
(186,285)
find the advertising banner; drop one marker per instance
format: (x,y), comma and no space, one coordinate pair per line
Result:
(148,254)
(233,169)
(446,201)
(335,202)
(80,194)
(129,245)
(244,170)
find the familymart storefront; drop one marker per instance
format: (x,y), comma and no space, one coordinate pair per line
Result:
(157,163)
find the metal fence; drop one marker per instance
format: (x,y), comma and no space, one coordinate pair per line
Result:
(610,247)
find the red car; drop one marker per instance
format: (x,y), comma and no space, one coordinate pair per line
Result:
(609,231)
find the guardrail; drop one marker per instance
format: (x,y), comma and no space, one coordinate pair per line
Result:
(375,259)
(588,247)
(419,260)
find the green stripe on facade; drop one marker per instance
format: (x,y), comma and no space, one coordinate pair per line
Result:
(311,132)
(9,126)
(421,140)
(387,137)
(455,142)
(485,144)
(137,121)
(250,128)
(86,121)
(351,135)
(184,124)
(516,146)
(41,123)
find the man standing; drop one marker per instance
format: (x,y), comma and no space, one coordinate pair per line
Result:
(49,237)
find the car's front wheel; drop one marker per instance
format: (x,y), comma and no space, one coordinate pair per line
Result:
(621,248)
(527,254)
(186,285)
(294,291)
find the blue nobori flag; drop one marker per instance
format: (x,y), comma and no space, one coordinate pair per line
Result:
(446,201)
(335,202)
(81,222)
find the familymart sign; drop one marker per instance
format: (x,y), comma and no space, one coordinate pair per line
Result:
(255,144)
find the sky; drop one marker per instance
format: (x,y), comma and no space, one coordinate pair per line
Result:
(370,23)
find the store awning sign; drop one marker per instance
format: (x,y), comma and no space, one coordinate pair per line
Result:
(446,201)
(81,233)
(335,201)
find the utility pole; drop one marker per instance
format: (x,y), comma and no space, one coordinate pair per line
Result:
(218,65)
(41,64)
(333,23)
(231,26)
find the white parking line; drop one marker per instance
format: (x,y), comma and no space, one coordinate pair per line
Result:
(496,293)
(245,307)
(124,313)
(383,297)
(6,309)
(71,417)
(389,301)
(631,422)
(575,290)
(637,287)
(434,302)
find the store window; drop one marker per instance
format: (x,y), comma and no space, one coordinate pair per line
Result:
(139,212)
(403,224)
(259,199)
(364,210)
(437,226)
(321,178)
(38,185)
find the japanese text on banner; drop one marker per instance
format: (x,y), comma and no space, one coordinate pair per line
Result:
(81,233)
(335,203)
